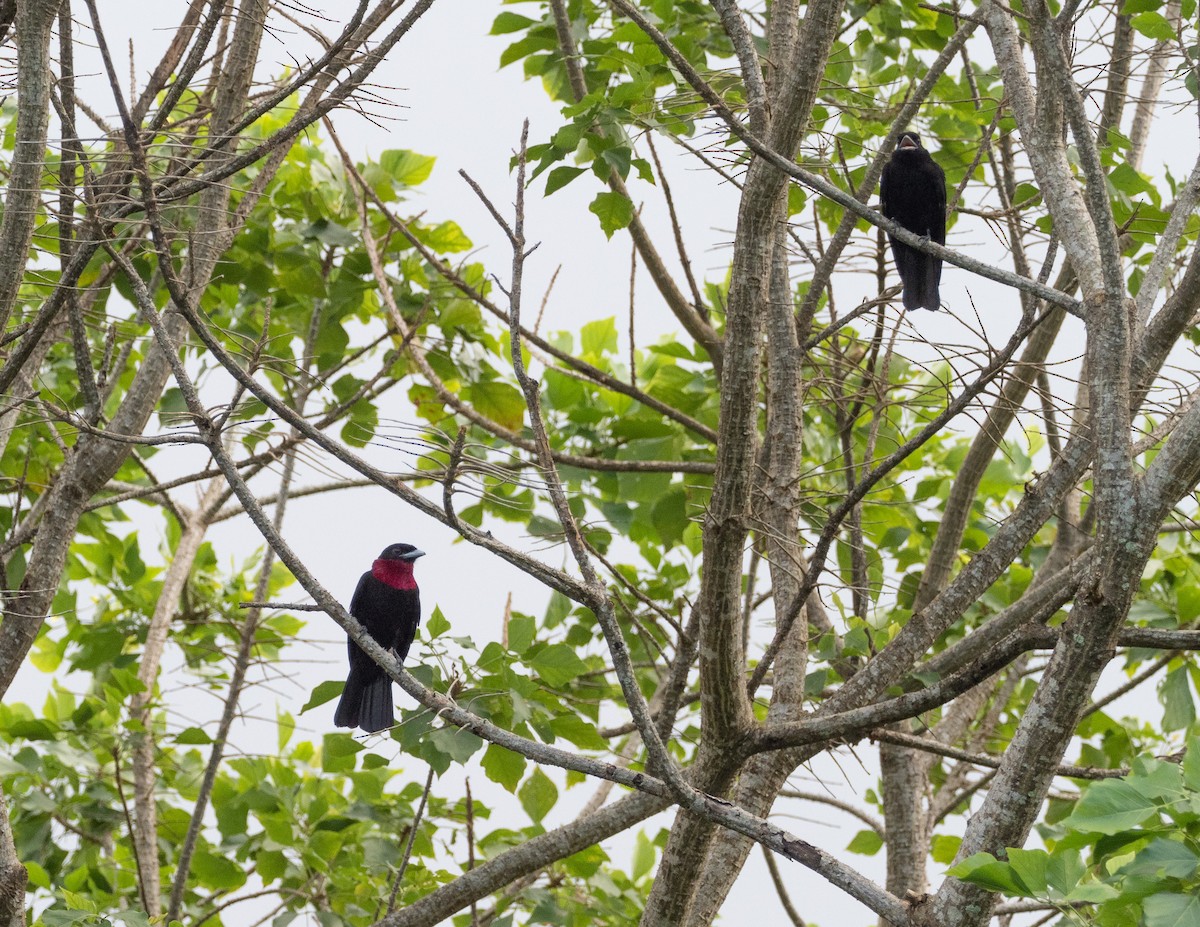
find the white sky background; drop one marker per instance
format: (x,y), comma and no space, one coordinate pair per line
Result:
(459,107)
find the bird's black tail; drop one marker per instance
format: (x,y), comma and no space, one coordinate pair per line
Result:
(366,705)
(376,712)
(348,706)
(921,275)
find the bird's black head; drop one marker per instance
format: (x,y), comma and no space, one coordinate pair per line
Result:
(401,552)
(909,140)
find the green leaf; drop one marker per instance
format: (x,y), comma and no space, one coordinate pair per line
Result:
(271,865)
(557,665)
(1065,870)
(1110,807)
(58,918)
(599,337)
(172,409)
(337,752)
(866,843)
(1153,26)
(503,766)
(1188,599)
(986,871)
(614,211)
(33,730)
(1172,910)
(192,735)
(619,159)
(446,237)
(538,795)
(458,744)
(218,871)
(1030,867)
(644,855)
(558,608)
(507,22)
(561,176)
(1176,695)
(325,692)
(407,167)
(499,401)
(520,633)
(944,848)
(437,624)
(645,172)
(579,732)
(1191,763)
(1131,7)
(286,727)
(1164,858)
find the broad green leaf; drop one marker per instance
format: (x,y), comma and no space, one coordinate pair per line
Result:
(271,865)
(507,22)
(1188,598)
(218,872)
(579,732)
(460,745)
(557,609)
(561,176)
(614,211)
(1030,867)
(557,664)
(1065,870)
(407,167)
(324,692)
(944,848)
(503,766)
(520,633)
(1110,807)
(337,752)
(54,917)
(644,856)
(437,625)
(1154,26)
(445,238)
(866,842)
(599,337)
(1164,858)
(986,871)
(1191,764)
(1179,708)
(499,401)
(192,735)
(538,795)
(1172,910)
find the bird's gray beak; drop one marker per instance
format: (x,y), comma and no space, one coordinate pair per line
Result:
(907,142)
(413,555)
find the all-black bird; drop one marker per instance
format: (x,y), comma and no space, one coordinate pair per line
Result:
(913,191)
(386,603)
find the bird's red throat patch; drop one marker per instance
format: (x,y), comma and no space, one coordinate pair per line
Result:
(396,573)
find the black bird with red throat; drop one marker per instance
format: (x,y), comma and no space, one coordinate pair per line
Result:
(913,191)
(388,605)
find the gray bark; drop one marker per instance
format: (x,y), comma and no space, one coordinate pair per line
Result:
(35,20)
(725,707)
(13,876)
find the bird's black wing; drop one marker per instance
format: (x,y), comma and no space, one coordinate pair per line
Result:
(885,182)
(357,655)
(937,223)
(937,232)
(408,618)
(364,672)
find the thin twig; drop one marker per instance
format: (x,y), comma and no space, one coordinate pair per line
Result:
(412,836)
